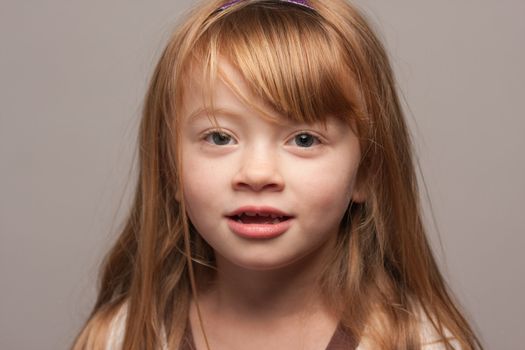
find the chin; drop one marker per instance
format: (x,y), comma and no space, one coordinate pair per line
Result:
(267,263)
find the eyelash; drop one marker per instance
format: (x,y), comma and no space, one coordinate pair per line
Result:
(316,139)
(211,135)
(208,137)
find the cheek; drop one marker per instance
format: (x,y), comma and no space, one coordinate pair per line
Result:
(326,181)
(325,190)
(328,195)
(200,188)
(330,185)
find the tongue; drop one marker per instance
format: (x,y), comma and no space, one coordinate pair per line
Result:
(257,219)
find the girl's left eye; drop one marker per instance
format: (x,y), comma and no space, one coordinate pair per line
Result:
(305,140)
(219,138)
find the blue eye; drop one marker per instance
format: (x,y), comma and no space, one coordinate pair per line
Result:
(305,140)
(219,138)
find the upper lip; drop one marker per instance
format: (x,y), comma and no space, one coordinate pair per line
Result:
(259,210)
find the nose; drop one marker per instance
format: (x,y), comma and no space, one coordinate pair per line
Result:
(258,171)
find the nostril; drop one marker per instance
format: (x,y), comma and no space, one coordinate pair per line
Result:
(274,183)
(257,187)
(258,171)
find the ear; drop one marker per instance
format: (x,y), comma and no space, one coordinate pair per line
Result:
(360,190)
(359,194)
(177,194)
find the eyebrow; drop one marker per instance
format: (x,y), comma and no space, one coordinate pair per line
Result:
(203,111)
(212,112)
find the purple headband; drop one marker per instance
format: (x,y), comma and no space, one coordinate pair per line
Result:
(296,2)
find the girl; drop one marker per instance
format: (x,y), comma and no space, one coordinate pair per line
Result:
(277,205)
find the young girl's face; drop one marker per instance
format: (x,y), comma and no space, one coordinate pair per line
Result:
(264,194)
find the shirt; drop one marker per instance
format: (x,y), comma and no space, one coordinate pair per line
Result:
(341,339)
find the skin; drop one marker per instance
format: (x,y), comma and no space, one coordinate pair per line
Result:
(264,286)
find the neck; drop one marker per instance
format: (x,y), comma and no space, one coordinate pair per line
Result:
(244,306)
(281,293)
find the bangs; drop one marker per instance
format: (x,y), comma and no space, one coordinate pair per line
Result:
(287,56)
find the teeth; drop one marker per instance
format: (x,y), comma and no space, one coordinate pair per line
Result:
(262,215)
(274,219)
(270,218)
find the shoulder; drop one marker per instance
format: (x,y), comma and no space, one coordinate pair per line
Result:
(117,328)
(429,335)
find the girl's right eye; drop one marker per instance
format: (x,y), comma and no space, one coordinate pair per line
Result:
(219,138)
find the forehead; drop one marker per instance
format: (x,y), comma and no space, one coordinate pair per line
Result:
(284,58)
(225,90)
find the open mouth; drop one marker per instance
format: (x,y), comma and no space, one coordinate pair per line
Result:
(259,222)
(259,218)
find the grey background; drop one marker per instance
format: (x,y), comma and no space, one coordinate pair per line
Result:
(72,78)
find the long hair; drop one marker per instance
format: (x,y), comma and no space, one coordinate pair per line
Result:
(307,64)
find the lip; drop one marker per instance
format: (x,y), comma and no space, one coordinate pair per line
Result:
(259,231)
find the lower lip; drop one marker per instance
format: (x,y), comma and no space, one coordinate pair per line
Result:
(259,231)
